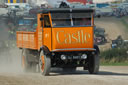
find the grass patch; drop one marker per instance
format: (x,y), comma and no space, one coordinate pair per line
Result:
(114,64)
(115,57)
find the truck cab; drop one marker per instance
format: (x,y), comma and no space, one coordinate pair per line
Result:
(64,38)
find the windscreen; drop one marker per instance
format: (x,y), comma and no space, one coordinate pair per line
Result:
(61,19)
(71,19)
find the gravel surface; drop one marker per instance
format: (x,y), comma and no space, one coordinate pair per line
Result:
(109,75)
(12,74)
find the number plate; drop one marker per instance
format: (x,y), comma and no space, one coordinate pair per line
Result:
(76,57)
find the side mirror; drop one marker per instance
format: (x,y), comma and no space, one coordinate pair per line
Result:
(41,19)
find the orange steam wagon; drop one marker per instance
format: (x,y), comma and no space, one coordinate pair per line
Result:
(64,38)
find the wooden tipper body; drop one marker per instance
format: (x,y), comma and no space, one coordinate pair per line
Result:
(72,34)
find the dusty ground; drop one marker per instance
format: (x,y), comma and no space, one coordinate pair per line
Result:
(107,76)
(12,74)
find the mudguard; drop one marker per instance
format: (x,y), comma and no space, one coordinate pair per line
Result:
(97,49)
(46,50)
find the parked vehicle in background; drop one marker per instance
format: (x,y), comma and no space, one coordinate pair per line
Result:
(100,36)
(119,43)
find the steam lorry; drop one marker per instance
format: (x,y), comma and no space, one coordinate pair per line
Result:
(63,38)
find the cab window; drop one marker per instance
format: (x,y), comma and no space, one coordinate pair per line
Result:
(71,19)
(46,21)
(82,19)
(61,20)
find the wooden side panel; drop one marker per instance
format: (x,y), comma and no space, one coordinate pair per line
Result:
(26,40)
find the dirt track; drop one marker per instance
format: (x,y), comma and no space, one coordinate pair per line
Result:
(107,76)
(11,73)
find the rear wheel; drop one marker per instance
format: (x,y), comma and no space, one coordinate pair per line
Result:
(93,64)
(44,64)
(25,64)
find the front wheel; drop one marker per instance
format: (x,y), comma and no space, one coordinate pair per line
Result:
(93,64)
(44,63)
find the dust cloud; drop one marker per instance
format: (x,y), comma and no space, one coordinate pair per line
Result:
(10,58)
(10,61)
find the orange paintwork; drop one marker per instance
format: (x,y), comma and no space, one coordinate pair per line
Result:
(43,62)
(47,38)
(72,37)
(56,38)
(39,32)
(26,40)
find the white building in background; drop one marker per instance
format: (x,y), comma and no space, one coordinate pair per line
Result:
(104,1)
(3,10)
(39,2)
(36,2)
(2,1)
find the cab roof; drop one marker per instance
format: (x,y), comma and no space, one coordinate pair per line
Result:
(66,10)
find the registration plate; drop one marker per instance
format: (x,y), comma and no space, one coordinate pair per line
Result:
(76,57)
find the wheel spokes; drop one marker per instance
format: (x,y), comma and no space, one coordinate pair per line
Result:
(23,61)
(42,63)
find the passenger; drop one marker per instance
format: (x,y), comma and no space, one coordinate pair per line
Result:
(86,21)
(47,23)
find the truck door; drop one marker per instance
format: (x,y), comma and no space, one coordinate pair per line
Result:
(47,31)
